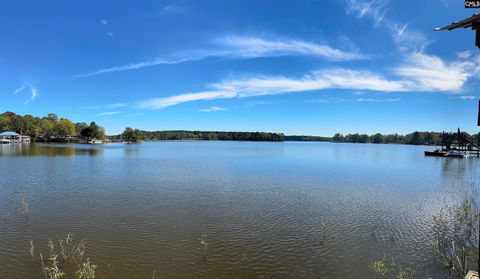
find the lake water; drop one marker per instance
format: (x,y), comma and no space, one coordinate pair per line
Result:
(270,210)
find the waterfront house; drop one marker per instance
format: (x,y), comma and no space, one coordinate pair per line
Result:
(25,139)
(12,137)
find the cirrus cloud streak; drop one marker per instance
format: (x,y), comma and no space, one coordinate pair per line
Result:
(418,73)
(241,47)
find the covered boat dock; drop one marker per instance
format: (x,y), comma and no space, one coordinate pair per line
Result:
(12,137)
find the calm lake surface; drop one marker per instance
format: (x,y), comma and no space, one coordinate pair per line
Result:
(270,210)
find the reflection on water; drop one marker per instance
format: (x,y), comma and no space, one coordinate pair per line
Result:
(39,149)
(274,210)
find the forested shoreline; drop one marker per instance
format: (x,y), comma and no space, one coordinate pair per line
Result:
(132,135)
(415,138)
(51,128)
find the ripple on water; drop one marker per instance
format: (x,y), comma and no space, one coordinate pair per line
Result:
(269,210)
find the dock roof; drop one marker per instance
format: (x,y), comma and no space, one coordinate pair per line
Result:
(9,134)
(468,22)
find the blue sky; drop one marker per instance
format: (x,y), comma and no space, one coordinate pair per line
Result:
(297,67)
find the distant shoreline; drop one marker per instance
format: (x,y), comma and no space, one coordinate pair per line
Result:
(415,138)
(51,128)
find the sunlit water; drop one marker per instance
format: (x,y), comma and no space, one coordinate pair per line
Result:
(271,210)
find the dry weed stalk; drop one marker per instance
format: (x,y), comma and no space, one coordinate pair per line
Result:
(457,236)
(204,244)
(25,206)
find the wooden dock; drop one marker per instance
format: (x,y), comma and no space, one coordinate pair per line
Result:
(459,142)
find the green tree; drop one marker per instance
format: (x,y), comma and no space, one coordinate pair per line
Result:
(48,127)
(52,117)
(64,127)
(93,131)
(79,127)
(377,138)
(87,133)
(417,138)
(33,126)
(13,122)
(338,138)
(131,135)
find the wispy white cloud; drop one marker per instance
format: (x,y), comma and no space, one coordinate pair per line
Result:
(406,38)
(326,100)
(467,97)
(109,106)
(213,109)
(105,23)
(132,66)
(19,89)
(418,72)
(241,47)
(359,100)
(261,47)
(431,73)
(419,77)
(425,72)
(117,105)
(110,113)
(33,92)
(175,9)
(374,9)
(464,54)
(371,100)
(160,103)
(324,79)
(257,103)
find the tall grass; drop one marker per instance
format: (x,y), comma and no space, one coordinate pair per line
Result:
(86,270)
(53,271)
(66,254)
(456,243)
(387,268)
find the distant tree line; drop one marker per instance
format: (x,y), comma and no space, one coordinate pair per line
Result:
(415,138)
(132,135)
(53,128)
(307,138)
(49,128)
